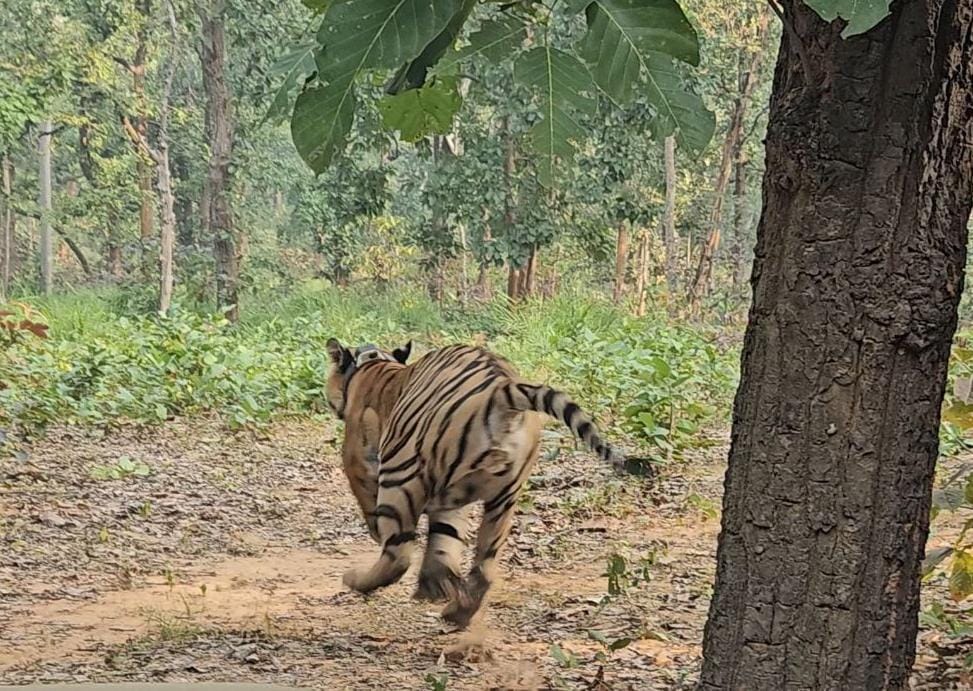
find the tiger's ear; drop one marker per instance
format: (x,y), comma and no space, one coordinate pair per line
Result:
(402,354)
(340,357)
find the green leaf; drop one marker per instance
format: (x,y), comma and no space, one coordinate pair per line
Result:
(496,39)
(316,6)
(678,111)
(419,112)
(597,636)
(619,644)
(564,86)
(295,65)
(934,558)
(861,15)
(412,75)
(961,576)
(623,34)
(356,36)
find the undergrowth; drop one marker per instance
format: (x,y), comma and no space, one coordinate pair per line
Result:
(104,363)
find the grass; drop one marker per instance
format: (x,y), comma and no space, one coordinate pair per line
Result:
(107,362)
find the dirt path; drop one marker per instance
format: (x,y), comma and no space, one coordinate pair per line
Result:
(224,563)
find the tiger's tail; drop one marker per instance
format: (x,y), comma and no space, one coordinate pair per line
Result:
(543,399)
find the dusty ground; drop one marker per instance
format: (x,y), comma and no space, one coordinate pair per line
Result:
(224,563)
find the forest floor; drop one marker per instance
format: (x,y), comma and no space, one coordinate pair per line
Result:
(224,563)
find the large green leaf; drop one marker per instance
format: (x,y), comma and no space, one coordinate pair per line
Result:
(565,89)
(678,110)
(355,36)
(496,39)
(416,113)
(961,576)
(622,34)
(861,15)
(413,74)
(295,65)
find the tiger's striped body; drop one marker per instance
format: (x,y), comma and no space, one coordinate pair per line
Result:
(457,427)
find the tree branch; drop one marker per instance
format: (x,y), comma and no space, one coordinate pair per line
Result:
(798,43)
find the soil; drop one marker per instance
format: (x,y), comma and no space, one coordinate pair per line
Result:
(224,562)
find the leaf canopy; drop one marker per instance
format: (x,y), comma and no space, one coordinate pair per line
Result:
(566,92)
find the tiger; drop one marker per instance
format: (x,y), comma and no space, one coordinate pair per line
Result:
(455,427)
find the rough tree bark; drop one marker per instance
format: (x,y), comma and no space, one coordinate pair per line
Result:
(143,164)
(740,220)
(219,120)
(669,237)
(44,203)
(642,274)
(858,271)
(514,278)
(621,261)
(6,227)
(747,82)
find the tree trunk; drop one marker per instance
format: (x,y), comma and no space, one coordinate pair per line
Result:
(642,274)
(185,223)
(740,221)
(858,270)
(529,274)
(167,199)
(621,262)
(483,278)
(514,275)
(44,203)
(513,283)
(669,218)
(219,118)
(6,227)
(143,164)
(747,81)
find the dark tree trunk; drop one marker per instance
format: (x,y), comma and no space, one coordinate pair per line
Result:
(740,214)
(219,119)
(185,222)
(44,203)
(858,270)
(621,261)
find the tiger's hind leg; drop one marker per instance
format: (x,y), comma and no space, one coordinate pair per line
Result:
(440,576)
(493,532)
(397,512)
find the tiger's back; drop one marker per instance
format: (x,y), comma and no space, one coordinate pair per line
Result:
(453,425)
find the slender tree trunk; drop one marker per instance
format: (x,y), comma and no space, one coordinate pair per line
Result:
(642,274)
(621,261)
(740,220)
(513,283)
(514,272)
(167,199)
(220,121)
(529,274)
(483,278)
(859,266)
(6,227)
(185,222)
(669,218)
(748,78)
(44,202)
(143,164)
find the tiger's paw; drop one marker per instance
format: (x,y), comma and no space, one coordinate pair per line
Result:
(356,580)
(459,614)
(437,584)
